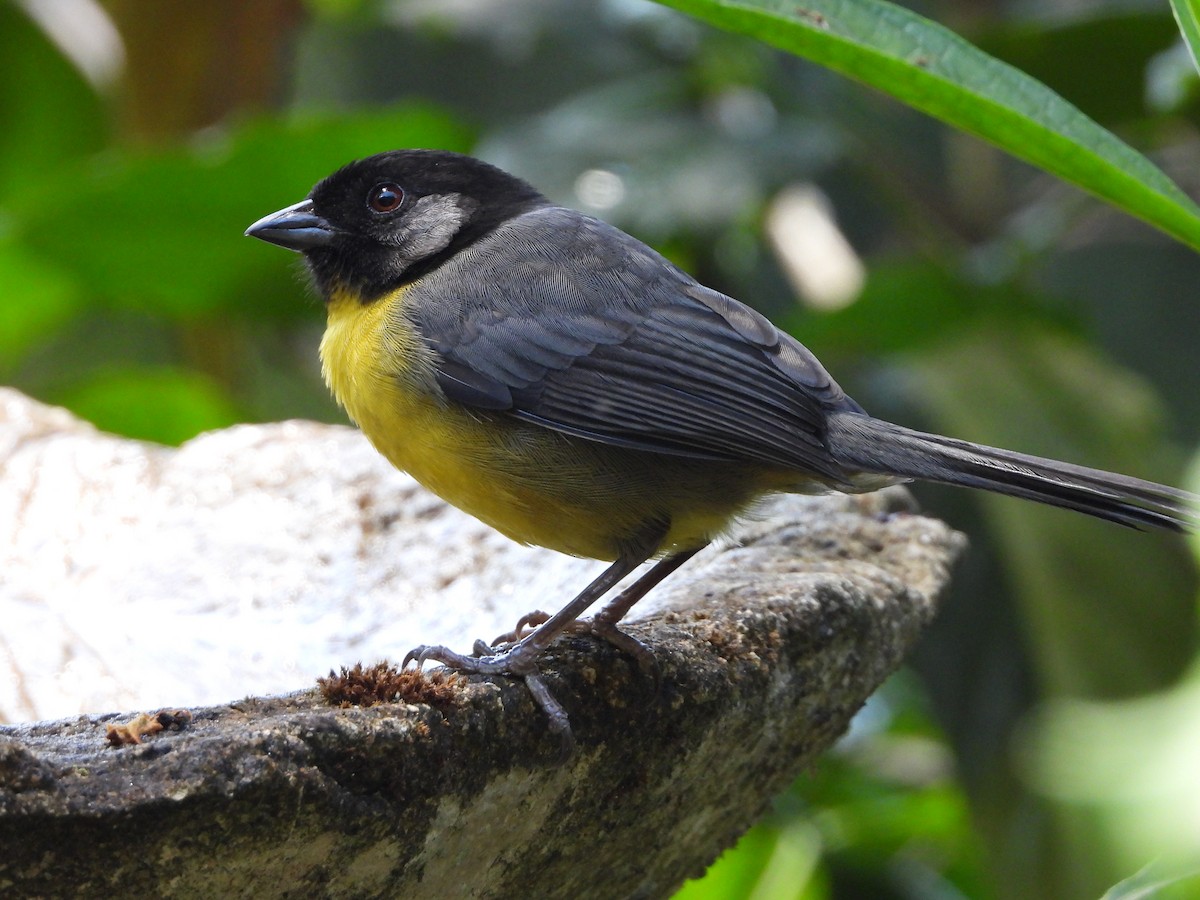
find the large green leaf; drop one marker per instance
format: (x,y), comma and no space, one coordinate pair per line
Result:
(1061,51)
(936,71)
(1187,14)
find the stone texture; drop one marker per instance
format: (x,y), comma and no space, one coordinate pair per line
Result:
(767,645)
(246,561)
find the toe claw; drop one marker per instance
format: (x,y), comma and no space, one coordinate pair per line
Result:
(559,722)
(413,655)
(525,624)
(512,662)
(425,653)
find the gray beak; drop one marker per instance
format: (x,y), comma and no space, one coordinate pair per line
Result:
(297,228)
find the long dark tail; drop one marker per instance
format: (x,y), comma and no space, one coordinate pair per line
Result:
(863,444)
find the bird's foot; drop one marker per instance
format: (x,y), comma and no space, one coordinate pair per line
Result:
(597,627)
(514,654)
(518,661)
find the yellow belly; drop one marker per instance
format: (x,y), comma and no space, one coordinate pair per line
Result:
(533,484)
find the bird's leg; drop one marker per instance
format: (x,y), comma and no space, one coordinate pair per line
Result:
(604,624)
(520,659)
(614,612)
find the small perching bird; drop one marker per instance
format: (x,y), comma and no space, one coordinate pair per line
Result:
(566,384)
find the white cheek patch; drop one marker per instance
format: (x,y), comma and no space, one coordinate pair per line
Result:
(432,223)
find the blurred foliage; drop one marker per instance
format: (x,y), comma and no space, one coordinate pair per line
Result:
(934,70)
(1014,759)
(880,817)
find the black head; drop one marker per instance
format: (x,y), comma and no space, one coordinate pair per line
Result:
(385,220)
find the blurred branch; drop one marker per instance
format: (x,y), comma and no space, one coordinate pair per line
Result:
(190,65)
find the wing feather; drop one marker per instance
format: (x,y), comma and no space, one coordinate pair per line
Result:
(569,323)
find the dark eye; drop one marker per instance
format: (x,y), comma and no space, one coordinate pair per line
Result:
(386,197)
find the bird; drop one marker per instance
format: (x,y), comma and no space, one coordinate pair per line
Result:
(569,386)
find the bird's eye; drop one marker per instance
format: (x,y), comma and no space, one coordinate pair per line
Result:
(386,197)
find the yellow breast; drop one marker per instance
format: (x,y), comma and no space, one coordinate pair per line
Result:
(525,481)
(381,372)
(375,365)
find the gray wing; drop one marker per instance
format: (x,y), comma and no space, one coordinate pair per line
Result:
(562,320)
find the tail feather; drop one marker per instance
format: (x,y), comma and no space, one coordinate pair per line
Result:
(860,443)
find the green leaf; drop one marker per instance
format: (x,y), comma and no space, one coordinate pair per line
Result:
(50,113)
(768,862)
(934,70)
(159,403)
(1157,881)
(42,300)
(1187,14)
(1061,52)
